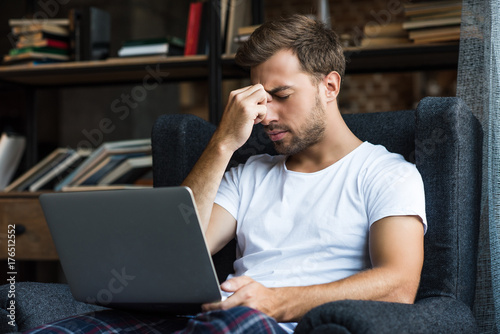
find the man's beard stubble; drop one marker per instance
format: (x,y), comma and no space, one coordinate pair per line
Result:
(311,133)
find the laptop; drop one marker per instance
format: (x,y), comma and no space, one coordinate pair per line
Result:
(140,249)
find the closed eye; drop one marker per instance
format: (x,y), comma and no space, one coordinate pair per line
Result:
(282,97)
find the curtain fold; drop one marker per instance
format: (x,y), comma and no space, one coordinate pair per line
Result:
(478,84)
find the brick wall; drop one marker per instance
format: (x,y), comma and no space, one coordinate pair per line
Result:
(375,91)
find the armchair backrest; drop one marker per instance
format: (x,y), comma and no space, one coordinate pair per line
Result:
(441,136)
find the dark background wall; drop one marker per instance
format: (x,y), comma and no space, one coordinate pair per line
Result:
(72,116)
(66,115)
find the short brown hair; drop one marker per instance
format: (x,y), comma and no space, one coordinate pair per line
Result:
(317,47)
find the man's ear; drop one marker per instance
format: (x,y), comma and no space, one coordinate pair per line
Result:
(332,85)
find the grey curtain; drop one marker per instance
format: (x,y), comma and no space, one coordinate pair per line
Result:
(478,85)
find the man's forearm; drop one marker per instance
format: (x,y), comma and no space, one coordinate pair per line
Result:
(205,177)
(381,284)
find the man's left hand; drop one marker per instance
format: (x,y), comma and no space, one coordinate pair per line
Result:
(247,292)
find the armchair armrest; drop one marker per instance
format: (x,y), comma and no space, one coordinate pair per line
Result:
(37,304)
(441,314)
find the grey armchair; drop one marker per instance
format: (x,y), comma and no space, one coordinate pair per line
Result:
(444,140)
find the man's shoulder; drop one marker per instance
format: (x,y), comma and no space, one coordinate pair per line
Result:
(260,163)
(256,168)
(264,159)
(373,153)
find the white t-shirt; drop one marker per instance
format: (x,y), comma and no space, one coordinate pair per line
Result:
(296,229)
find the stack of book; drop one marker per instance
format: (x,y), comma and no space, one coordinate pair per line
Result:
(430,22)
(39,41)
(375,34)
(151,47)
(112,165)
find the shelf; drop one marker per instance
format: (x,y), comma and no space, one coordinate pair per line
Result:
(394,58)
(408,57)
(110,71)
(122,70)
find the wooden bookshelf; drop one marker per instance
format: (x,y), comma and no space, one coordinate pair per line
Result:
(121,70)
(110,71)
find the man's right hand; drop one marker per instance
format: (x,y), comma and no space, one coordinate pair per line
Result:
(246,107)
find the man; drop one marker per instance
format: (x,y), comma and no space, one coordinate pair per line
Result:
(330,218)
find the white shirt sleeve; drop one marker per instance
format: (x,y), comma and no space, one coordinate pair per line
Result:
(228,195)
(394,188)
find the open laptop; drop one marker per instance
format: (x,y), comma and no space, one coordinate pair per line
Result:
(140,249)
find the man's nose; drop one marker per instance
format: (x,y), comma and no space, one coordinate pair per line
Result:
(271,113)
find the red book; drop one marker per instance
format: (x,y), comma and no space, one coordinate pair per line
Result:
(43,43)
(193,28)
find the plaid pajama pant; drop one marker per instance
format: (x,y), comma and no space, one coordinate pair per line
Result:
(236,320)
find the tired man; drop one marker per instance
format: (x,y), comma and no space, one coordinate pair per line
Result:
(329,218)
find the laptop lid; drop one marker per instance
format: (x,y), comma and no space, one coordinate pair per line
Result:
(140,249)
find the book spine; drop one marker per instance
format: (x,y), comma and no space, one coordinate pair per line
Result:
(193,28)
(43,49)
(57,44)
(204,28)
(43,42)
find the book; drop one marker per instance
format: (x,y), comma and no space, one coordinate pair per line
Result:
(223,18)
(69,163)
(47,42)
(11,151)
(41,35)
(41,168)
(30,22)
(425,23)
(162,46)
(244,33)
(128,171)
(247,30)
(31,62)
(384,41)
(436,39)
(106,166)
(439,15)
(33,56)
(394,29)
(435,33)
(239,16)
(193,28)
(43,27)
(431,7)
(99,154)
(105,187)
(241,38)
(160,40)
(36,49)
